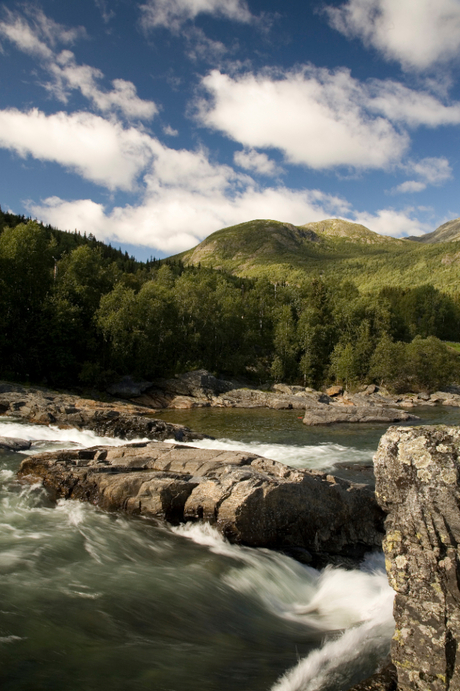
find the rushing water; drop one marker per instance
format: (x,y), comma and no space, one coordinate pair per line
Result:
(97,601)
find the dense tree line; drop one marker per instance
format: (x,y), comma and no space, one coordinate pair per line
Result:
(74,311)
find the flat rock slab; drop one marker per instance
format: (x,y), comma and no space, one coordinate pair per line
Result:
(13,444)
(251,500)
(325,414)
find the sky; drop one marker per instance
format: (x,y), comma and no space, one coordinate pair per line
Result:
(153,123)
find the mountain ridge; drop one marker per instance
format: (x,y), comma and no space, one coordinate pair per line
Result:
(333,248)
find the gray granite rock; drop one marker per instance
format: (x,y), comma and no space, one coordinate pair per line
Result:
(251,500)
(418,486)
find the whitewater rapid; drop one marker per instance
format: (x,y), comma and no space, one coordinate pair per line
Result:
(320,456)
(175,603)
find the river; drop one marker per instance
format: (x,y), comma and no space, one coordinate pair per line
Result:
(98,602)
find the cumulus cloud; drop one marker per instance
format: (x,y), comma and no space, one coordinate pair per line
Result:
(258,163)
(319,118)
(417,33)
(315,117)
(38,35)
(97,149)
(174,216)
(172,14)
(398,224)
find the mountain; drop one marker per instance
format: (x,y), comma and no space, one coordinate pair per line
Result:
(448,232)
(334,249)
(352,232)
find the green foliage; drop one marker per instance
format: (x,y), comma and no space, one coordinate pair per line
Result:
(74,311)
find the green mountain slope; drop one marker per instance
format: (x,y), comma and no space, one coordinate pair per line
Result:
(448,232)
(335,249)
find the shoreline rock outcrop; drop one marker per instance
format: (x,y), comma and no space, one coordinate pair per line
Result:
(417,473)
(115,419)
(200,389)
(251,500)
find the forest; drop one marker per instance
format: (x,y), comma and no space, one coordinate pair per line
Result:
(75,312)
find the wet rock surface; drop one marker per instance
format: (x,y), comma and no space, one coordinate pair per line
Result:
(385,679)
(417,485)
(8,444)
(251,500)
(115,419)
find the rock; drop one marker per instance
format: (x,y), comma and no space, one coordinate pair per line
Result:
(289,390)
(128,388)
(329,414)
(184,402)
(117,419)
(13,444)
(372,388)
(385,679)
(198,383)
(251,500)
(418,486)
(334,391)
(423,396)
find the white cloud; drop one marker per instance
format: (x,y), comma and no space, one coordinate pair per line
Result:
(416,33)
(409,186)
(200,47)
(315,117)
(69,75)
(177,214)
(172,14)
(35,38)
(398,224)
(431,171)
(106,14)
(170,131)
(259,163)
(400,104)
(98,150)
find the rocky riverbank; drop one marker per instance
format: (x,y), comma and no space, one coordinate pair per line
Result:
(131,415)
(253,501)
(199,389)
(115,419)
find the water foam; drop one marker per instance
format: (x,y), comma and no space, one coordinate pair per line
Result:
(352,608)
(53,437)
(320,456)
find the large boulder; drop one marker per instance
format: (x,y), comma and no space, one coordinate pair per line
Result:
(251,500)
(418,486)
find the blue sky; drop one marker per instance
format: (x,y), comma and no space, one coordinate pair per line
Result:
(152,124)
